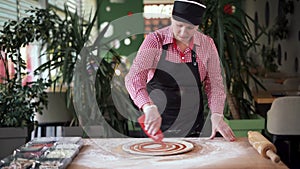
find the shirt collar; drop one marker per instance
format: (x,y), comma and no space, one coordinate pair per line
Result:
(168,36)
(191,45)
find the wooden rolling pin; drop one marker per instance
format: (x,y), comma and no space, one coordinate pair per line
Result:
(263,146)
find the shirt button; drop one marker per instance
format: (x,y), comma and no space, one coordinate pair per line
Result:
(182,58)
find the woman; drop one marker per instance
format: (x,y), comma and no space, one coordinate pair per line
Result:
(171,67)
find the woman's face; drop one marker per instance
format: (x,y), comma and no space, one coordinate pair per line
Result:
(183,31)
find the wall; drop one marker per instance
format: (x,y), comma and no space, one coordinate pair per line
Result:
(127,23)
(290,51)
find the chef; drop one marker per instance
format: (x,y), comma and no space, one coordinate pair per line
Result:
(172,66)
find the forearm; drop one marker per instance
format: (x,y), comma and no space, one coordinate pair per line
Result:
(137,92)
(216,98)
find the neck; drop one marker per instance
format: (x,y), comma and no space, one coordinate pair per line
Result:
(181,45)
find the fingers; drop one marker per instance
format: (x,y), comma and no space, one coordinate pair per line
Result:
(147,125)
(227,133)
(153,130)
(213,134)
(218,125)
(149,122)
(153,127)
(152,120)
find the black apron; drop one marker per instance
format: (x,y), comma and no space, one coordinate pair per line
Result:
(176,90)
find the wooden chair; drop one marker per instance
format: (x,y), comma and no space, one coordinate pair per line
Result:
(283,120)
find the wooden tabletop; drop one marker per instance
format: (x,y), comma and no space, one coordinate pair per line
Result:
(263,98)
(214,154)
(267,97)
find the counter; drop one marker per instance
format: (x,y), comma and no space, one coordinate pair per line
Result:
(215,154)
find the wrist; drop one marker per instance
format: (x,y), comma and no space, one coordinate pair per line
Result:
(148,107)
(216,115)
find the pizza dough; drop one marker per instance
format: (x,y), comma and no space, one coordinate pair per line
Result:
(168,147)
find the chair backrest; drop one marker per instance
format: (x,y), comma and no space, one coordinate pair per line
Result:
(283,118)
(291,83)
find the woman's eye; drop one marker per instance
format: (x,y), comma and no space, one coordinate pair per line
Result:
(187,27)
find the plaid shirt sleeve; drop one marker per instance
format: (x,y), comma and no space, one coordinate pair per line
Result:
(214,85)
(142,70)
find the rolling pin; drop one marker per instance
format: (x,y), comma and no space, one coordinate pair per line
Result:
(263,146)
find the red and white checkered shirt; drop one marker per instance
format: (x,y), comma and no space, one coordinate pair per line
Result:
(143,67)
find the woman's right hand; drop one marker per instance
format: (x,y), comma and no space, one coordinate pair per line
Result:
(152,119)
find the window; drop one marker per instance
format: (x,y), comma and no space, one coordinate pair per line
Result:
(157,16)
(8,11)
(16,9)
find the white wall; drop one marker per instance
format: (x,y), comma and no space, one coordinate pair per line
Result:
(290,47)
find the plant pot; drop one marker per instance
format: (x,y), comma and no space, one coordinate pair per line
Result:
(57,111)
(241,127)
(95,131)
(72,131)
(11,138)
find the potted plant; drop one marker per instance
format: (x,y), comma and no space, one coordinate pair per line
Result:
(19,102)
(227,24)
(68,45)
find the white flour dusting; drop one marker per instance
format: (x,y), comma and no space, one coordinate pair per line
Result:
(108,153)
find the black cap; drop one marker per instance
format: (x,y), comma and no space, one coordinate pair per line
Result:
(189,11)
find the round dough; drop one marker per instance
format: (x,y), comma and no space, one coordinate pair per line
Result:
(168,147)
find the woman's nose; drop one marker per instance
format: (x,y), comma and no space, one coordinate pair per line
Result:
(183,31)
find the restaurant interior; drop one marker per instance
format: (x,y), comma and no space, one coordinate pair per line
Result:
(62,69)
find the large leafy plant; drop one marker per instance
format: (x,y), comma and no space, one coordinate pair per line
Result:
(86,66)
(228,25)
(67,43)
(19,100)
(19,103)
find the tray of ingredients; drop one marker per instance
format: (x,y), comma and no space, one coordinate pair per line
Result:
(12,162)
(44,152)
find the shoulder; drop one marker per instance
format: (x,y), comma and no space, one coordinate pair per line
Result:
(204,42)
(156,39)
(163,35)
(202,38)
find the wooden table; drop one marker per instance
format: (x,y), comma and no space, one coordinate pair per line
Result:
(263,97)
(279,77)
(267,97)
(214,154)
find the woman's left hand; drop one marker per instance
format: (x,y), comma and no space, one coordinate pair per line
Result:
(219,125)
